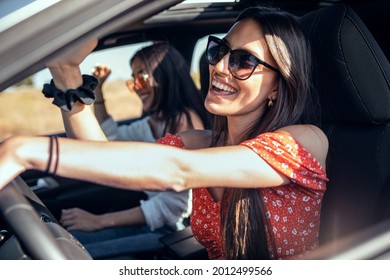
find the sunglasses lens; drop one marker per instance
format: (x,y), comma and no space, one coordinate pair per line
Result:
(215,51)
(141,81)
(242,64)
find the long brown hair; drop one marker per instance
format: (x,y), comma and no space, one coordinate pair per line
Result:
(242,211)
(175,91)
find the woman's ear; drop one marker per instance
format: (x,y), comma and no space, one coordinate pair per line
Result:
(273,95)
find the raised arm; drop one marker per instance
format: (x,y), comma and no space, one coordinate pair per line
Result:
(101,72)
(80,122)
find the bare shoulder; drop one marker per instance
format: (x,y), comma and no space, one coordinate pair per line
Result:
(312,138)
(196,139)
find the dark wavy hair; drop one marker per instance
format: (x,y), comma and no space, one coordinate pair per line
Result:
(242,211)
(175,91)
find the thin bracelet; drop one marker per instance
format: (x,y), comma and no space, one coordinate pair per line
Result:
(50,151)
(57,148)
(100,102)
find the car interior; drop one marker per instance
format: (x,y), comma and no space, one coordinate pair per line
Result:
(352,79)
(352,75)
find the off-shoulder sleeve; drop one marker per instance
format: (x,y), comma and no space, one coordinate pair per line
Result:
(283,153)
(172,140)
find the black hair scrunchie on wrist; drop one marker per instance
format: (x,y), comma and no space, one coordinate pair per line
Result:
(66,100)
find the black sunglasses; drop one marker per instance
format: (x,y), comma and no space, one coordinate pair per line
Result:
(241,63)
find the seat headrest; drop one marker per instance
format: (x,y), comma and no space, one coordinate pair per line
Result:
(352,74)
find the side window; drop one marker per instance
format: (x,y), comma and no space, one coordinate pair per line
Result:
(24,109)
(199,65)
(199,50)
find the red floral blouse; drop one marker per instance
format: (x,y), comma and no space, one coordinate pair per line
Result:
(292,210)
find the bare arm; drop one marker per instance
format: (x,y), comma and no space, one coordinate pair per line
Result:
(78,219)
(101,72)
(80,122)
(133,165)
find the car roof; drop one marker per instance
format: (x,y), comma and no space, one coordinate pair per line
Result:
(62,25)
(197,18)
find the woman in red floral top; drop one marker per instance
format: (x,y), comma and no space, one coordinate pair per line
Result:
(258,177)
(292,210)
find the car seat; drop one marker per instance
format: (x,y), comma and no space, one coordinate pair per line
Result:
(352,78)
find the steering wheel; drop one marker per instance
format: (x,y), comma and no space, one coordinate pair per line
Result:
(40,237)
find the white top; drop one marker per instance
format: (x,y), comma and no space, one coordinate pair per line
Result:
(161,208)
(138,130)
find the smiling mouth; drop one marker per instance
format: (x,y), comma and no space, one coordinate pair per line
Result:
(222,89)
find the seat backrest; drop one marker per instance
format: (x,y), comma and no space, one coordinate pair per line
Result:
(352,77)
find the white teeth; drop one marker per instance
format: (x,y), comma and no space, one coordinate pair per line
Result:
(222,86)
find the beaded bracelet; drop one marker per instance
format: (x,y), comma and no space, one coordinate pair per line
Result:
(66,100)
